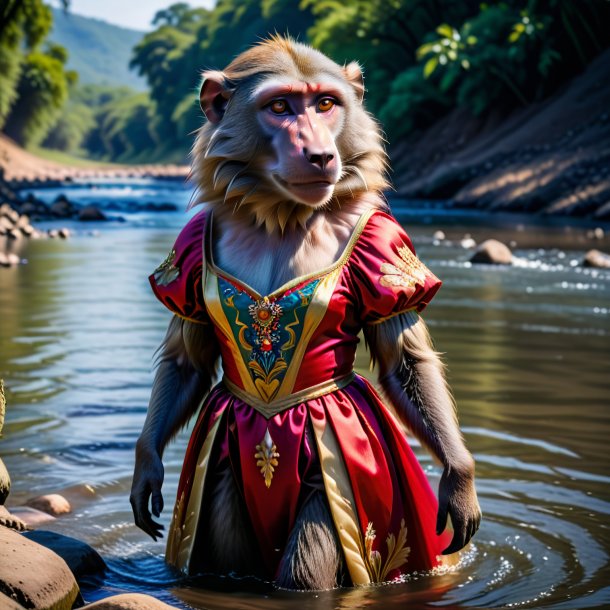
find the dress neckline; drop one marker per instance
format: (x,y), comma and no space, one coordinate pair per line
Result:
(342,260)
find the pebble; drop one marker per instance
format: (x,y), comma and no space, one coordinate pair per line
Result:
(492,252)
(52,504)
(597,259)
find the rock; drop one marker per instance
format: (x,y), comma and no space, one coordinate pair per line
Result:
(5,482)
(53,504)
(32,517)
(597,259)
(9,260)
(7,212)
(5,225)
(83,560)
(6,603)
(53,233)
(62,207)
(492,252)
(11,521)
(34,576)
(467,242)
(64,233)
(27,230)
(91,212)
(129,601)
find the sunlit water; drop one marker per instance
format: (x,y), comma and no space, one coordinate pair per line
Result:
(528,348)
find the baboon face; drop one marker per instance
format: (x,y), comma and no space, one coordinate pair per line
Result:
(286,134)
(301,121)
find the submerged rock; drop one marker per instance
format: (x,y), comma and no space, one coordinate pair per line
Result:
(34,576)
(31,516)
(53,504)
(91,212)
(62,207)
(597,259)
(130,601)
(11,521)
(492,252)
(83,560)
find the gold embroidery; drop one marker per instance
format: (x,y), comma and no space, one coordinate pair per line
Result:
(397,553)
(266,456)
(166,273)
(408,271)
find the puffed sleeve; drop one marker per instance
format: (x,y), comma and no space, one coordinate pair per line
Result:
(177,281)
(388,277)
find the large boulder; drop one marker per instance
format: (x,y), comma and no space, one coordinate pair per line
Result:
(597,259)
(492,252)
(130,601)
(34,576)
(83,560)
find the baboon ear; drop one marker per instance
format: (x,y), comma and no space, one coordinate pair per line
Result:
(214,94)
(353,75)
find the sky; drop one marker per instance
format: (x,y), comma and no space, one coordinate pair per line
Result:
(134,14)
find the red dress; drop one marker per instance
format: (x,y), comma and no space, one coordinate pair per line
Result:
(289,406)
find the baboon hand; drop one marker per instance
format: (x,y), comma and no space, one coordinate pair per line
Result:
(458,499)
(147,481)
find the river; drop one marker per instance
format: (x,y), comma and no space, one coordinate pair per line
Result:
(528,350)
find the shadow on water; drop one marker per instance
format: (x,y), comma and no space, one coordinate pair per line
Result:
(528,350)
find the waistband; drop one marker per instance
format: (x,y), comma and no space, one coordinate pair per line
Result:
(269,409)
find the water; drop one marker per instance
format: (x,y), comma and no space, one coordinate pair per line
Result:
(528,349)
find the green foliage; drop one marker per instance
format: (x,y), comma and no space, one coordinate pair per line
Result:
(124,127)
(42,90)
(74,125)
(413,102)
(23,26)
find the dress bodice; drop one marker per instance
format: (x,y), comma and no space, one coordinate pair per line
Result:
(303,336)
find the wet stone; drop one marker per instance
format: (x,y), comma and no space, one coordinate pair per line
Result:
(597,259)
(83,560)
(35,577)
(492,252)
(130,601)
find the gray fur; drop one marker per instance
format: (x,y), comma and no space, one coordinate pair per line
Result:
(312,558)
(232,544)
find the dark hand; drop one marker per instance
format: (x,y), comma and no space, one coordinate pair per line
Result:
(457,497)
(147,481)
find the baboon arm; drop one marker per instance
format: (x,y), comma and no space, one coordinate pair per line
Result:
(412,375)
(186,367)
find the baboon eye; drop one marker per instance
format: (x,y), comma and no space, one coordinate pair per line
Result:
(325,104)
(278,106)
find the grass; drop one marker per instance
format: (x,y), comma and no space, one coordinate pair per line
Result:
(63,158)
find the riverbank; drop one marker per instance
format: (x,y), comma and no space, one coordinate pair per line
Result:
(551,158)
(21,169)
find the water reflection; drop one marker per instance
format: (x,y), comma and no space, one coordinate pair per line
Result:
(528,349)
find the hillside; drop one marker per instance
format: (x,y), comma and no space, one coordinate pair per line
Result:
(550,158)
(99,51)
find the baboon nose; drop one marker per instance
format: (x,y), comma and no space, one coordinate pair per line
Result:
(319,159)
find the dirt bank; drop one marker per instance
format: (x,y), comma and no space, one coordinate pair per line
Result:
(551,158)
(18,166)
